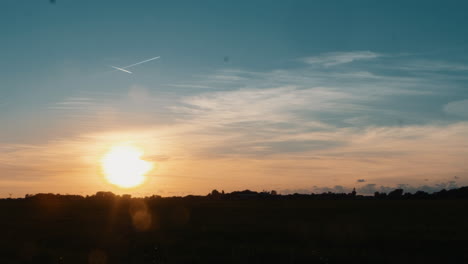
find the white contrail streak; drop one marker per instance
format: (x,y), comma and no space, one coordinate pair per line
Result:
(135,64)
(121,69)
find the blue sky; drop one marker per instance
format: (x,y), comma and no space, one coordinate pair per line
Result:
(315,94)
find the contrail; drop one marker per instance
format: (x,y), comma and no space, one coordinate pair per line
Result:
(120,69)
(135,64)
(141,62)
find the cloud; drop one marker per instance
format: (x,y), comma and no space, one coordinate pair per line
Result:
(204,157)
(276,129)
(268,104)
(431,66)
(73,103)
(371,188)
(337,58)
(280,100)
(361,180)
(457,108)
(191,86)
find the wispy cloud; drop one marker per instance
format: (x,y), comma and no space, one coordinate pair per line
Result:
(191,86)
(337,58)
(275,129)
(431,66)
(371,188)
(458,108)
(274,104)
(269,159)
(73,103)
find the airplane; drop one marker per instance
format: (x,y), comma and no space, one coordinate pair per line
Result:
(135,64)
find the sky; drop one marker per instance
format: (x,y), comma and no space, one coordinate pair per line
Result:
(293,96)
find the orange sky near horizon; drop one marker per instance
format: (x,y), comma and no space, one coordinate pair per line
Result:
(416,155)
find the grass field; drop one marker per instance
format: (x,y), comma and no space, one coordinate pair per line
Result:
(175,230)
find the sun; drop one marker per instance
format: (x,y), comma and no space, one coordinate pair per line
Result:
(123,166)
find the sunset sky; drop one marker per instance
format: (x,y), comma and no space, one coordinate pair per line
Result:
(295,96)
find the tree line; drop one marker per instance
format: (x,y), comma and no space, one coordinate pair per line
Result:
(457,193)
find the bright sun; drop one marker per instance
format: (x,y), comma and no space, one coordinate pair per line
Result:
(123,166)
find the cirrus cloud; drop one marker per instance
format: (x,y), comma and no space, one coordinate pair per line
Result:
(458,108)
(337,58)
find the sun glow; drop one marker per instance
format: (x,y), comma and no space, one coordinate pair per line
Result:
(123,166)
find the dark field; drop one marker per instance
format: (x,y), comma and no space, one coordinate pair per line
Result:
(202,230)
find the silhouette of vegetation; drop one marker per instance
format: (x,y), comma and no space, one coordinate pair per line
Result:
(237,227)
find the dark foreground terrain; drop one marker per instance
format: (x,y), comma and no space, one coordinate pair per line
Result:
(108,229)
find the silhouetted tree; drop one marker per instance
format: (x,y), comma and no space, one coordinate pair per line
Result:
(397,193)
(420,195)
(105,195)
(379,195)
(215,194)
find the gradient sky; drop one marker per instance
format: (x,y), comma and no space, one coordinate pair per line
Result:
(313,95)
